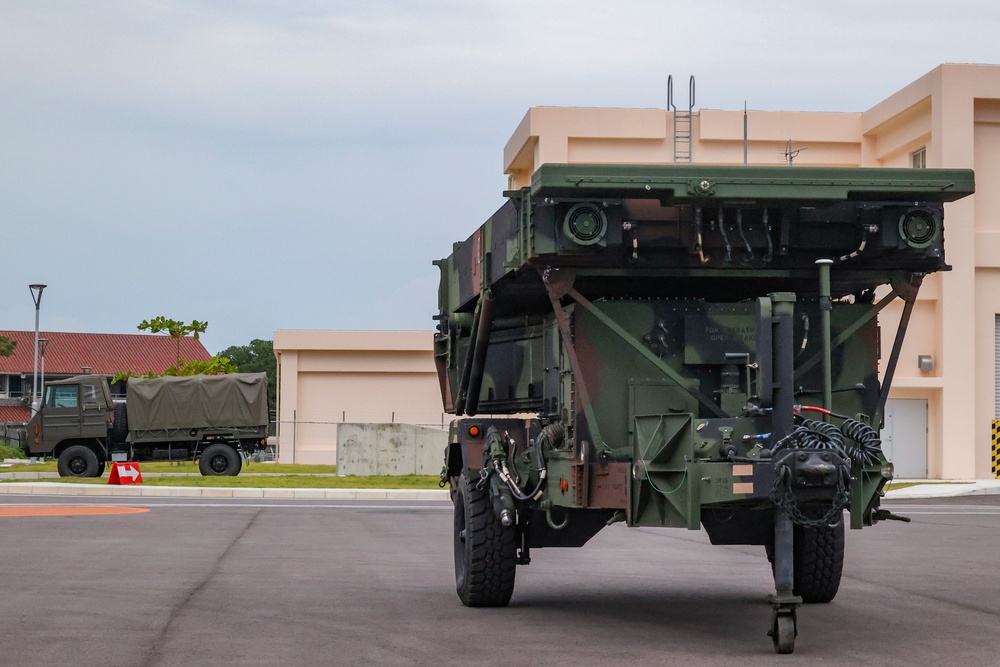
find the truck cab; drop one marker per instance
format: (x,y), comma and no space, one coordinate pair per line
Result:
(75,411)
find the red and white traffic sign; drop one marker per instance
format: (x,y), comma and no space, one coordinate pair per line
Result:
(125,473)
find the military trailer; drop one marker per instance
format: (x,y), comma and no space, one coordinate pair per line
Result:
(681,346)
(217,420)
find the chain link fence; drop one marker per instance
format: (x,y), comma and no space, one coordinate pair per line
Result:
(13,435)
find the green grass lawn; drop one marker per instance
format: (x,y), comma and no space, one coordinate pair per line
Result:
(265,475)
(192,468)
(278,476)
(275,481)
(896,486)
(8,452)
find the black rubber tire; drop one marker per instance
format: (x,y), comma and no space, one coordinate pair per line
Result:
(220,461)
(818,562)
(119,427)
(783,634)
(485,550)
(78,461)
(101,465)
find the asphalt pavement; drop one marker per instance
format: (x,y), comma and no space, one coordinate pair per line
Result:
(920,489)
(296,581)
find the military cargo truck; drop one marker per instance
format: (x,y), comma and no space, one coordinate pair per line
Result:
(216,420)
(681,346)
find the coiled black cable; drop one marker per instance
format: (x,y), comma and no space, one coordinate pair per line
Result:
(820,435)
(868,447)
(862,443)
(813,434)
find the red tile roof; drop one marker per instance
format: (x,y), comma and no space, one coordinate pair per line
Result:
(105,354)
(14,414)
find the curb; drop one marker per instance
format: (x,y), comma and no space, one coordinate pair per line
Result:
(55,475)
(91,490)
(945,490)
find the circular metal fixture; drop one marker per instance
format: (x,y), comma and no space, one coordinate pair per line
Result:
(919,228)
(585,224)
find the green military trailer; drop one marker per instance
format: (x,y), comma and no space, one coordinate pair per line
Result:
(681,346)
(216,420)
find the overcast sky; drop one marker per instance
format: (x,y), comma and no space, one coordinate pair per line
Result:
(298,165)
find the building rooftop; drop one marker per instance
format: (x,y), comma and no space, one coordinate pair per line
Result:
(14,414)
(105,354)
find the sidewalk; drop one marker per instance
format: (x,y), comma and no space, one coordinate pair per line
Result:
(921,489)
(139,490)
(944,489)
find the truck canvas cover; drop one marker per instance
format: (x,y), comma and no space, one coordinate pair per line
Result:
(197,401)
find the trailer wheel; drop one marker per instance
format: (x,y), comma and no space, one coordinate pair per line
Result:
(818,562)
(783,632)
(78,461)
(485,550)
(220,460)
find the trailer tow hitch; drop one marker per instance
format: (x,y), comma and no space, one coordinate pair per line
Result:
(886,515)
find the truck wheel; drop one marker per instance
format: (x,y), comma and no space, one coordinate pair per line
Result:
(485,551)
(78,461)
(219,460)
(119,428)
(818,562)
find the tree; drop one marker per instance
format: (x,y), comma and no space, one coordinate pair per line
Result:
(175,329)
(257,357)
(214,366)
(7,346)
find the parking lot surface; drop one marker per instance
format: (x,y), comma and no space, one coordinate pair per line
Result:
(318,582)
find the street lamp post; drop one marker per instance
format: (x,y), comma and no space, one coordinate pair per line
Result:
(42,344)
(36,296)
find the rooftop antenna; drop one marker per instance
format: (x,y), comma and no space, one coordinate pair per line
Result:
(745,133)
(790,154)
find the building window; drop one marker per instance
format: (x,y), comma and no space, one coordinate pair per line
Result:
(918,158)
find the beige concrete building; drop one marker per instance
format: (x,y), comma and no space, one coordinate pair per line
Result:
(945,390)
(327,378)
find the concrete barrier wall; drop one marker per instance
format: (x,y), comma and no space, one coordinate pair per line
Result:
(389,449)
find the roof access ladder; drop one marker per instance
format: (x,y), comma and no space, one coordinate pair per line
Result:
(682,122)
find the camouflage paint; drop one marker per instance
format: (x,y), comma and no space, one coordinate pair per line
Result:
(632,305)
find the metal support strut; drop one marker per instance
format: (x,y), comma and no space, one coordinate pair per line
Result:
(825,306)
(475,361)
(784,602)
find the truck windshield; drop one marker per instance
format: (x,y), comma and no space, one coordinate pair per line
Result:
(64,396)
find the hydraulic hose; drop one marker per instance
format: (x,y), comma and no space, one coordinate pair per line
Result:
(725,237)
(553,433)
(516,490)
